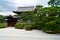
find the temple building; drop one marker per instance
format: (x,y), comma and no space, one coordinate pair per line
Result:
(12,20)
(24,9)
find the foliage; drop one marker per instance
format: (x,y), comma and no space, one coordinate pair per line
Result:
(50,23)
(20,25)
(53,26)
(28,27)
(30,15)
(39,23)
(2,19)
(54,2)
(27,16)
(51,2)
(38,10)
(58,25)
(37,17)
(52,11)
(3,25)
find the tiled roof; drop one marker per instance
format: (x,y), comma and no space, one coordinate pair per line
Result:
(27,8)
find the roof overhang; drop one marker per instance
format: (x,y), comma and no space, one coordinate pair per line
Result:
(25,9)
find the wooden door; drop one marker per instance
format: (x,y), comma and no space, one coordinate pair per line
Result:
(12,22)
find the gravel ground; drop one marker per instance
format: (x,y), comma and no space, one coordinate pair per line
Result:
(10,33)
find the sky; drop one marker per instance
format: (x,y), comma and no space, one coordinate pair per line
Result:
(10,5)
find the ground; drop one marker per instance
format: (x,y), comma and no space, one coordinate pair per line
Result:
(10,33)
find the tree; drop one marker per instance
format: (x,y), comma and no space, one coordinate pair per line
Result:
(51,22)
(48,23)
(54,3)
(51,2)
(27,16)
(31,15)
(2,19)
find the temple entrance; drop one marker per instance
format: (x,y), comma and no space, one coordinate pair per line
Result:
(11,21)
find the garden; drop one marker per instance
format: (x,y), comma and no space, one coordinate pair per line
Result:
(46,19)
(42,18)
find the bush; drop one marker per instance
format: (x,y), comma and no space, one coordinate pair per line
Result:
(34,26)
(38,25)
(3,25)
(51,27)
(19,25)
(57,30)
(28,27)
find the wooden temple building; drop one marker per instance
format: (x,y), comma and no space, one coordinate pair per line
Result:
(12,20)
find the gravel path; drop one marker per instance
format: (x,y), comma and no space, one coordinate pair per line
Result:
(10,33)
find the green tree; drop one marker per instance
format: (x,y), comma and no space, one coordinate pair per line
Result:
(51,22)
(27,16)
(2,19)
(51,2)
(54,3)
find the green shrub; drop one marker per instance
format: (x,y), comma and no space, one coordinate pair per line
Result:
(34,26)
(28,26)
(19,25)
(57,30)
(3,25)
(37,26)
(51,27)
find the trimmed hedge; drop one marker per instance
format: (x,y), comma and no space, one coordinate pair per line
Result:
(28,26)
(51,27)
(3,25)
(20,25)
